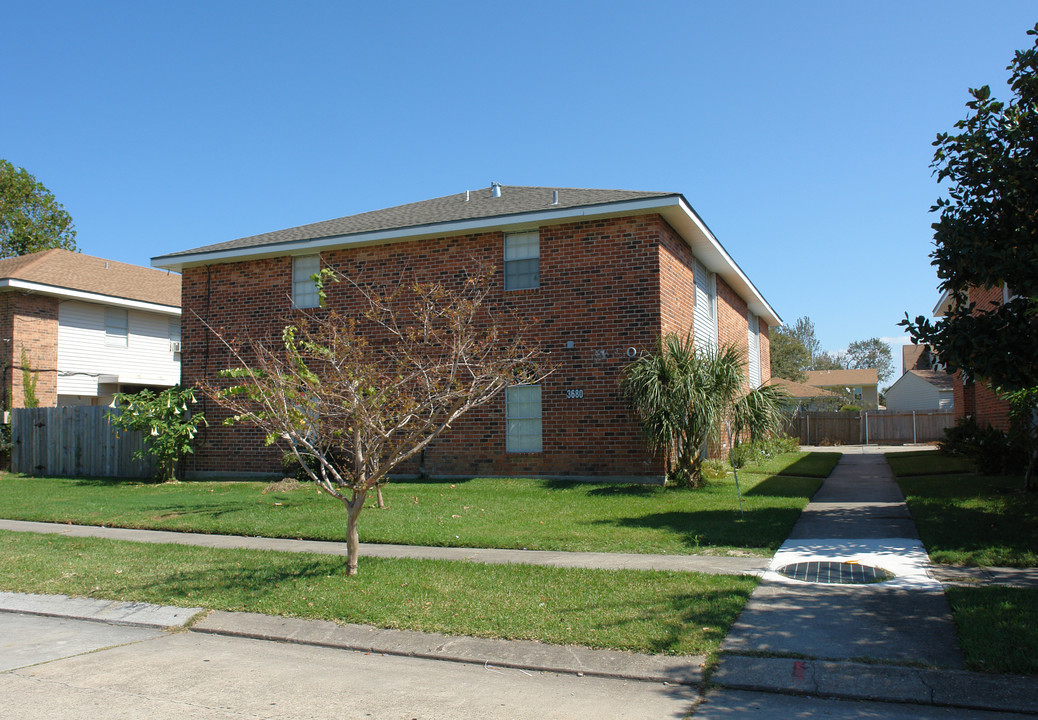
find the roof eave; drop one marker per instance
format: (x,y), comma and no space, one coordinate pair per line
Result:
(72,294)
(673,208)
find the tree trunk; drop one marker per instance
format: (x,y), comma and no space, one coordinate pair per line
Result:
(352,537)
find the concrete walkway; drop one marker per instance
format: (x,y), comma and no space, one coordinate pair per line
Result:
(892,641)
(715,565)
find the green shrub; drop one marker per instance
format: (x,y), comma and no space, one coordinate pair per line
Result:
(164,420)
(993,451)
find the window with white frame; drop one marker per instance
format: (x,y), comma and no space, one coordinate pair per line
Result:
(522,260)
(753,348)
(117,327)
(304,289)
(523,415)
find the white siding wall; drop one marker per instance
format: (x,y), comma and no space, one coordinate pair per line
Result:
(83,354)
(912,392)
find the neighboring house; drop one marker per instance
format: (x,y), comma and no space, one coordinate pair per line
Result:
(807,397)
(603,273)
(923,384)
(921,390)
(977,399)
(860,386)
(89,327)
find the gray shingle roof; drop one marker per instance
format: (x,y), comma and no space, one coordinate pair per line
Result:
(450,208)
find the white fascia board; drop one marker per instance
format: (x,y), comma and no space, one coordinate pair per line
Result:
(70,294)
(944,304)
(716,259)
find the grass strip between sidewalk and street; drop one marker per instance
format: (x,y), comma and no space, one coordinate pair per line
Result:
(643,611)
(996,628)
(482,512)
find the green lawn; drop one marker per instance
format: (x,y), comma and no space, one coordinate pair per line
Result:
(974,519)
(928,462)
(801,464)
(654,612)
(996,627)
(505,513)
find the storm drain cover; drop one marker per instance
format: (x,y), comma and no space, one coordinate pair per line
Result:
(835,573)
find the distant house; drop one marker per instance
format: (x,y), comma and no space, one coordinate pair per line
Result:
(923,384)
(808,397)
(860,386)
(922,390)
(605,273)
(89,328)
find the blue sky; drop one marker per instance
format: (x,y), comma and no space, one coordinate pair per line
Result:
(799,131)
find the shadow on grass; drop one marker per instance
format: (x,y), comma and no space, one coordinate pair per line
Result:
(764,529)
(628,490)
(109,482)
(783,486)
(1003,529)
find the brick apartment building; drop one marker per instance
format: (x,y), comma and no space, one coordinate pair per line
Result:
(603,273)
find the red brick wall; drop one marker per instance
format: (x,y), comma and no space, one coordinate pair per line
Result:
(29,321)
(978,399)
(732,325)
(600,289)
(677,286)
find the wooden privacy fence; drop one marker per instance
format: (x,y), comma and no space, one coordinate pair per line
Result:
(74,441)
(875,427)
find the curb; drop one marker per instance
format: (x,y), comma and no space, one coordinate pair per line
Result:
(137,614)
(518,654)
(883,683)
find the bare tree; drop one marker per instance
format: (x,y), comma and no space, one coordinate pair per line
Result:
(356,396)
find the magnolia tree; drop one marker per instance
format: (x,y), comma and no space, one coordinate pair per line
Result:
(986,236)
(356,396)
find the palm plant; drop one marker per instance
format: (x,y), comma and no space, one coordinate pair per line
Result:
(684,396)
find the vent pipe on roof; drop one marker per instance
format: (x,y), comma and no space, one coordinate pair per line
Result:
(466,196)
(495,189)
(554,197)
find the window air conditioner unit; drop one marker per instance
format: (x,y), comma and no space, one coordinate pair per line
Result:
(174,346)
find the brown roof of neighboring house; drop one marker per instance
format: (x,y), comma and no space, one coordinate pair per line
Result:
(65,269)
(938,378)
(800,391)
(461,206)
(846,378)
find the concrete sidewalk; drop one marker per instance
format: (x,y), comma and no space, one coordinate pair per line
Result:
(818,635)
(714,565)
